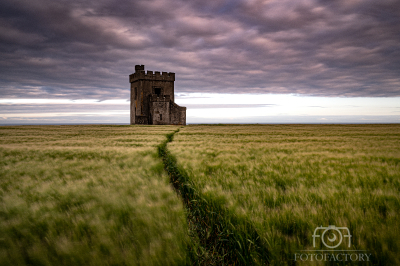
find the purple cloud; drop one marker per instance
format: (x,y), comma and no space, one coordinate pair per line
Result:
(75,49)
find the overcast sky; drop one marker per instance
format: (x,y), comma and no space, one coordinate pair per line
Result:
(84,50)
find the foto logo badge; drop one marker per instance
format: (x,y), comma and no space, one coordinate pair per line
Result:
(331,236)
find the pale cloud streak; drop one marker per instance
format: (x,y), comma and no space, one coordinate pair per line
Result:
(211,107)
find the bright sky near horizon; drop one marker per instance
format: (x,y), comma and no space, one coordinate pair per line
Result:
(236,61)
(211,108)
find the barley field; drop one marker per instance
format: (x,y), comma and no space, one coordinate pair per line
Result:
(88,195)
(198,195)
(276,184)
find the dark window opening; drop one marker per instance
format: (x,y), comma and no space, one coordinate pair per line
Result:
(160,117)
(157,91)
(135,93)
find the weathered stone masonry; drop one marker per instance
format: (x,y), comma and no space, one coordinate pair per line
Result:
(152,99)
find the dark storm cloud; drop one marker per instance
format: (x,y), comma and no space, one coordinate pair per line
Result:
(86,49)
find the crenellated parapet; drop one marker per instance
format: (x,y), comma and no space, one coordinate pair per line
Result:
(150,75)
(159,98)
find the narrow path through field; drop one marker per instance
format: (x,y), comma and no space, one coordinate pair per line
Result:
(220,237)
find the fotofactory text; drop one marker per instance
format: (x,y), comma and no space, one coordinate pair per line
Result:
(332,237)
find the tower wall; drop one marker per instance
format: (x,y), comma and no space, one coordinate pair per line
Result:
(160,109)
(178,114)
(152,95)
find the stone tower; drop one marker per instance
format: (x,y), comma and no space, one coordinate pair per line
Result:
(152,99)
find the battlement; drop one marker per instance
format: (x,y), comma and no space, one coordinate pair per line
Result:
(139,68)
(140,74)
(160,98)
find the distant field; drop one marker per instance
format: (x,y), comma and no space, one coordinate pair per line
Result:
(276,183)
(88,195)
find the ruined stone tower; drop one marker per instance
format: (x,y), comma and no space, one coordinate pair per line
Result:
(152,99)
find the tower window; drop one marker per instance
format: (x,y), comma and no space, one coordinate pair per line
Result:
(157,91)
(160,117)
(135,93)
